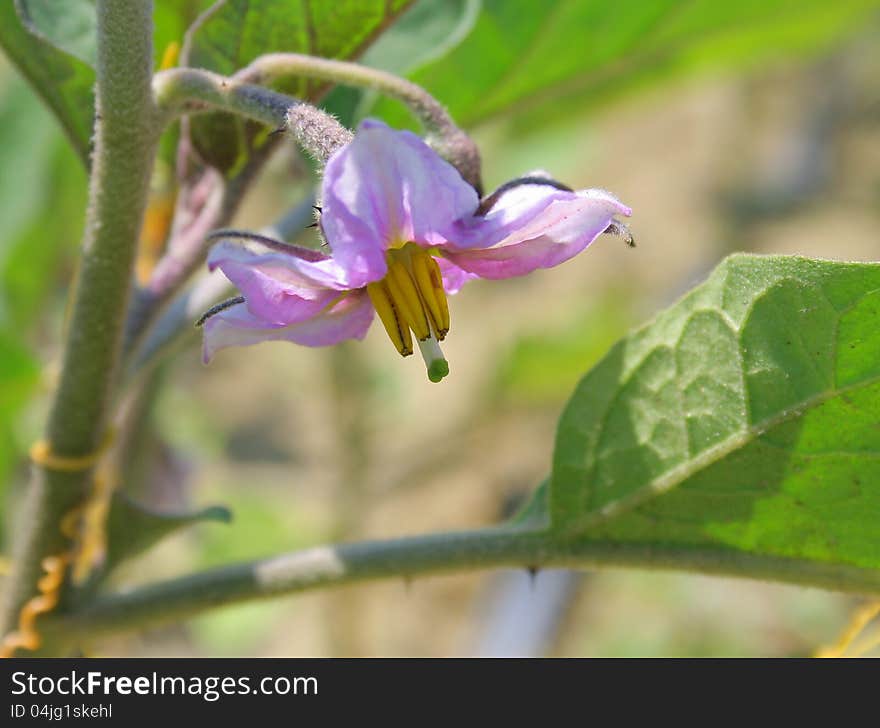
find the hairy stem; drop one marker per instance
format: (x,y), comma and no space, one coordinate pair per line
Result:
(126,135)
(177,599)
(442,133)
(186,90)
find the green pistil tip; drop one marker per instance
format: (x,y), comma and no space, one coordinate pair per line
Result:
(438,369)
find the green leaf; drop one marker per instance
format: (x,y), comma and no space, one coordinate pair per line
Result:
(428,30)
(549,58)
(242,30)
(132,528)
(741,421)
(63,81)
(70,26)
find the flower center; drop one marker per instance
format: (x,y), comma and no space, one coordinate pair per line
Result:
(410,299)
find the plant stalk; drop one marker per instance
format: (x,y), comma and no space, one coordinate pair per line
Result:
(126,136)
(417,556)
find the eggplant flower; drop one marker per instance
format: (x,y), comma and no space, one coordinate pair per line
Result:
(404,230)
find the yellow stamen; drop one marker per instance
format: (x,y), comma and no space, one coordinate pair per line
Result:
(411,298)
(404,293)
(430,285)
(393,321)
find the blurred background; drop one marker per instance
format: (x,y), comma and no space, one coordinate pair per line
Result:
(762,151)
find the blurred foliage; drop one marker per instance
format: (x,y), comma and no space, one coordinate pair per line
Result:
(542,369)
(261,529)
(741,419)
(63,81)
(525,57)
(19,376)
(72,31)
(43,174)
(426,31)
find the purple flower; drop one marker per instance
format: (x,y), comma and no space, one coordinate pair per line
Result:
(404,230)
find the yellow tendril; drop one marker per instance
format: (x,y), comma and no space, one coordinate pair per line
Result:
(83,525)
(26,637)
(860,620)
(41,453)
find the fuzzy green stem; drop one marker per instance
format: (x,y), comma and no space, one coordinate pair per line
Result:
(126,136)
(187,90)
(442,133)
(417,556)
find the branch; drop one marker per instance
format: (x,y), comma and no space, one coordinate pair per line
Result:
(406,558)
(448,140)
(126,134)
(187,90)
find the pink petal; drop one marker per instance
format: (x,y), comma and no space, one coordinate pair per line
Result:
(279,288)
(383,188)
(532,226)
(237,326)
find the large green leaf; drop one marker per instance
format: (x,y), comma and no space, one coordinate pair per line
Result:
(742,420)
(241,30)
(549,57)
(63,81)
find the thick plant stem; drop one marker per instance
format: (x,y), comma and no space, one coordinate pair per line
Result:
(126,135)
(408,558)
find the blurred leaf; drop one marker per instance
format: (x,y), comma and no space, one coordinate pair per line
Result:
(171,18)
(42,198)
(427,30)
(242,30)
(19,376)
(64,82)
(37,253)
(26,138)
(70,26)
(19,373)
(547,58)
(133,528)
(743,420)
(261,530)
(542,369)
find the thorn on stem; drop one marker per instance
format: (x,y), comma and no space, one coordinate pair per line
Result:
(533,574)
